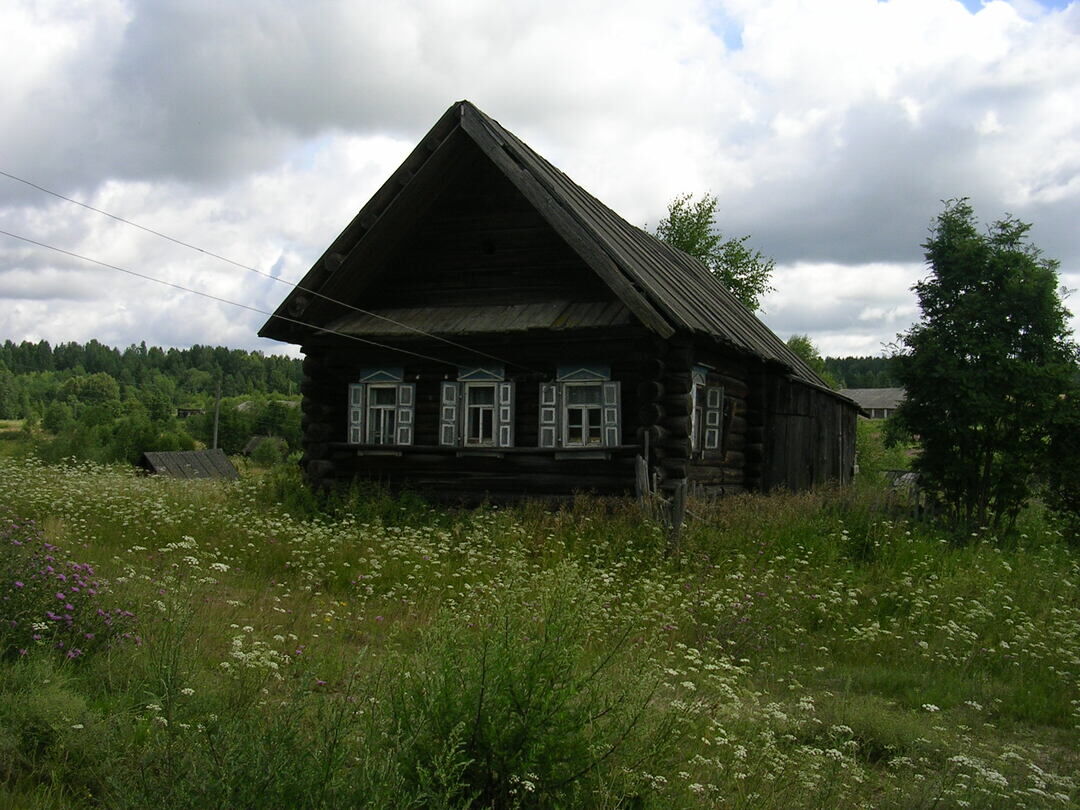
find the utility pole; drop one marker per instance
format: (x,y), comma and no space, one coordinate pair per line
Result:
(217,412)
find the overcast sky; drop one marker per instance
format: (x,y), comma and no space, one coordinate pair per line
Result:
(830,130)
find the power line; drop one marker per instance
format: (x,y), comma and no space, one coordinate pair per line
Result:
(251,269)
(223,300)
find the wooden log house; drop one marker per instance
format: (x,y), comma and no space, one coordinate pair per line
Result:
(485,328)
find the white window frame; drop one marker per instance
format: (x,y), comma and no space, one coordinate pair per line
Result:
(456,407)
(707,405)
(471,407)
(379,414)
(364,415)
(586,410)
(555,408)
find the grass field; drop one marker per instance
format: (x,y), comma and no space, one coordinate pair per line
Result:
(210,644)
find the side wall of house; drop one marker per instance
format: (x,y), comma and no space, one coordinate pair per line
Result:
(809,436)
(666,412)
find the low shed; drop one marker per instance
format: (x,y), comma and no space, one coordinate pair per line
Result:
(484,327)
(189,464)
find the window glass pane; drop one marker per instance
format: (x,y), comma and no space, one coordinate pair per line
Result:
(383,396)
(481,394)
(584,395)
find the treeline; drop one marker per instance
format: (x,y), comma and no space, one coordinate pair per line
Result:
(31,374)
(96,402)
(862,372)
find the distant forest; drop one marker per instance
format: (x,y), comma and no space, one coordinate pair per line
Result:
(97,402)
(862,372)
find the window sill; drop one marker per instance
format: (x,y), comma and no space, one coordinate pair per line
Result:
(379,452)
(480,452)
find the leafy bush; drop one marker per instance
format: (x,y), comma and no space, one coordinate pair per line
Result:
(529,701)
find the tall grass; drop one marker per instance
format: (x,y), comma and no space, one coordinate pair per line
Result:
(802,650)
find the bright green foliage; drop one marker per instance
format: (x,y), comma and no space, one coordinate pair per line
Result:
(688,226)
(805,348)
(540,703)
(985,367)
(874,455)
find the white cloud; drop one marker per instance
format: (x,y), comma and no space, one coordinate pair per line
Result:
(830,131)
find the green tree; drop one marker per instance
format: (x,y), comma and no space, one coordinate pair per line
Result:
(1063,473)
(808,352)
(688,226)
(9,398)
(985,367)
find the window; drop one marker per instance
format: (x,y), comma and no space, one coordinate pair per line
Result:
(584,414)
(580,409)
(381,408)
(477,409)
(479,414)
(707,423)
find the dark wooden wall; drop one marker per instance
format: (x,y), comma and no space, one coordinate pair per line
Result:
(471,474)
(782,433)
(809,436)
(481,243)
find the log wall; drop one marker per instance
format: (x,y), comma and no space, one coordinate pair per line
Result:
(470,474)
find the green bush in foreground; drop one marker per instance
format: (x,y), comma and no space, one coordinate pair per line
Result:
(531,701)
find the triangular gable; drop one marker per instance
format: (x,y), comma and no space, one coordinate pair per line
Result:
(377,375)
(488,373)
(589,373)
(665,289)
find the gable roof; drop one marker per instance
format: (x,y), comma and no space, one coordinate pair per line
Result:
(664,288)
(875,397)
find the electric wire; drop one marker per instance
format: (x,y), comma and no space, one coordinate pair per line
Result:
(223,300)
(263,273)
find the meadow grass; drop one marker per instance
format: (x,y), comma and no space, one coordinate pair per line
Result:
(800,650)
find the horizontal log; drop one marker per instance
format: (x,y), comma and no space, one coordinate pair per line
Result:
(677,426)
(650,413)
(652,391)
(316,450)
(678,384)
(679,358)
(676,405)
(733,387)
(675,446)
(657,434)
(317,432)
(651,368)
(675,468)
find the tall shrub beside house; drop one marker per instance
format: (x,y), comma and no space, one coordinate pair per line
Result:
(985,368)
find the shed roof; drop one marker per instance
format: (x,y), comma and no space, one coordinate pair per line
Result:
(664,288)
(189,464)
(875,397)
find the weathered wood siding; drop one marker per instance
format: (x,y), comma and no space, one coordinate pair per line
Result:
(481,242)
(809,436)
(467,473)
(726,473)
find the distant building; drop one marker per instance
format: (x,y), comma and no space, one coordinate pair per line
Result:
(879,403)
